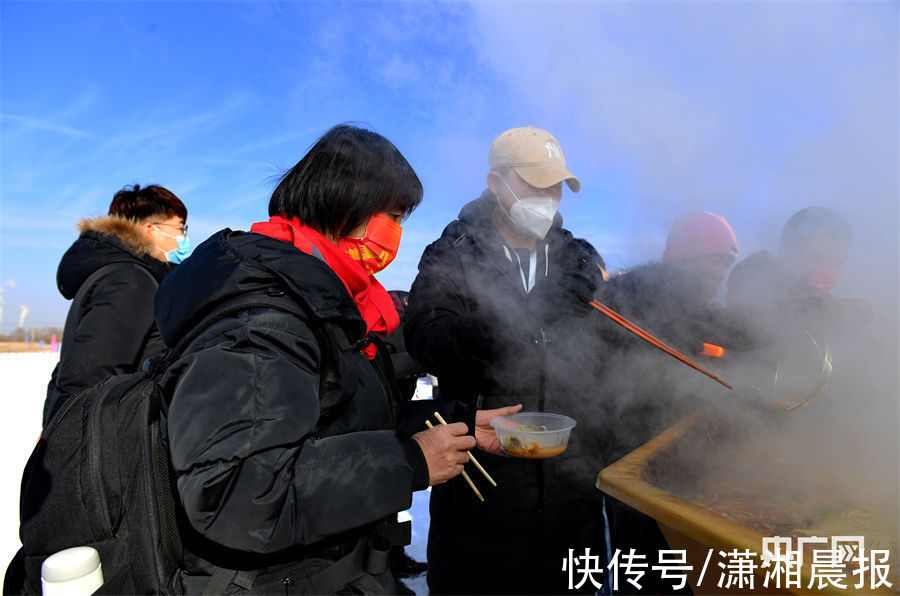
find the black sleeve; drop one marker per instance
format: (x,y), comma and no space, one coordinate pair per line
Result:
(411,419)
(251,476)
(754,280)
(732,329)
(110,337)
(447,331)
(434,334)
(418,463)
(413,415)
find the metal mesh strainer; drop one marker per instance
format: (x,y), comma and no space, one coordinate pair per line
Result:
(803,371)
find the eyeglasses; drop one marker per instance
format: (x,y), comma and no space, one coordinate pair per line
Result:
(183,229)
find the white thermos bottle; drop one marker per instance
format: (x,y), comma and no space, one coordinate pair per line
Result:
(72,572)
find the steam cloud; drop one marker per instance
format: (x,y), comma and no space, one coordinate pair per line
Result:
(752,110)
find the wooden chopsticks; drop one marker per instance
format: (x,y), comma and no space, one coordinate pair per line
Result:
(464,475)
(471,459)
(616,317)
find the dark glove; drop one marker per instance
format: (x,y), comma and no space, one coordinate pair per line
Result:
(567,294)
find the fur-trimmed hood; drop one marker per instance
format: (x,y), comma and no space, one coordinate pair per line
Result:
(105,240)
(126,230)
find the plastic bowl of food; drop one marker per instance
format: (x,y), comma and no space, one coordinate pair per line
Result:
(533,435)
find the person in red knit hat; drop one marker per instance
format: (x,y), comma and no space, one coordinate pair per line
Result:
(703,244)
(672,299)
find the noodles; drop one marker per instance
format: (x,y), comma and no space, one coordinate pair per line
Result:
(517,448)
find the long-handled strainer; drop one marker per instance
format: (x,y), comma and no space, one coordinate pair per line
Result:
(803,371)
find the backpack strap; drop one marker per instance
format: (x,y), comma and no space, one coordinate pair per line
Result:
(371,555)
(222,578)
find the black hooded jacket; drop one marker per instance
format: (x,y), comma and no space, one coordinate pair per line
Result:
(782,304)
(472,324)
(111,277)
(760,278)
(267,466)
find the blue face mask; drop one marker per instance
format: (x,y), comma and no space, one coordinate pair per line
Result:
(179,254)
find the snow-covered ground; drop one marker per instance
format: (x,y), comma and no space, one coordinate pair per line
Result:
(24,377)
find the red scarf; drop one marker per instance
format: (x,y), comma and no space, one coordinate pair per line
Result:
(374,303)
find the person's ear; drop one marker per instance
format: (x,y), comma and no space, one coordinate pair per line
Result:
(494,182)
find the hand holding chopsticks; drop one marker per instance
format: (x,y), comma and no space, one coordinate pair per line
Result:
(464,475)
(445,449)
(485,439)
(471,457)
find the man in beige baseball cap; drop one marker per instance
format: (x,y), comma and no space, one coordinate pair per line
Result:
(527,169)
(534,155)
(499,313)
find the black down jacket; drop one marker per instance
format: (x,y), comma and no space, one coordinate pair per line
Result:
(666,301)
(269,470)
(760,278)
(110,275)
(471,323)
(761,288)
(651,391)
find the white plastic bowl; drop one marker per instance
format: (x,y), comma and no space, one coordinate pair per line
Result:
(520,436)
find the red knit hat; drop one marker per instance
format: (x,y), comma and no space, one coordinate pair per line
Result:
(698,234)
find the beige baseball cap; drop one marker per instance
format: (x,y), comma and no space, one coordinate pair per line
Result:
(534,155)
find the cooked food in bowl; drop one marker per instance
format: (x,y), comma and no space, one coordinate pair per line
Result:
(533,435)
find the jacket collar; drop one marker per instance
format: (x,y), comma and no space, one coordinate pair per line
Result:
(475,228)
(103,241)
(475,220)
(233,263)
(126,230)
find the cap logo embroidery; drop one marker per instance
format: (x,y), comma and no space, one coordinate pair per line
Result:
(553,151)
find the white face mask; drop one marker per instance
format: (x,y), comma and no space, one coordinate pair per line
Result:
(531,216)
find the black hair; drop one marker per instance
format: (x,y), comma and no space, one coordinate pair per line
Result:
(806,223)
(138,204)
(348,175)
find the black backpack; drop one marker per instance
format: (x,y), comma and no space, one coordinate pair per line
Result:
(100,476)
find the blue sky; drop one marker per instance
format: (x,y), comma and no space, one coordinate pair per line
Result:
(752,110)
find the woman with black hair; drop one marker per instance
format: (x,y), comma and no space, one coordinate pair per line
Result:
(111,273)
(289,442)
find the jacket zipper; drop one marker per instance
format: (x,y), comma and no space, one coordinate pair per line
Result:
(542,387)
(385,388)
